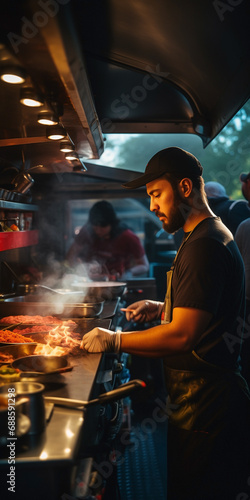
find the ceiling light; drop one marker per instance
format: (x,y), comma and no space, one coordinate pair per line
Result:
(30,97)
(13,75)
(47,117)
(56,132)
(72,156)
(66,146)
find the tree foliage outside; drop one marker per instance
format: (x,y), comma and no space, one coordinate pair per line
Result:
(228,155)
(223,160)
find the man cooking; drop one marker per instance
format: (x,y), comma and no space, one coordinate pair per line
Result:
(199,337)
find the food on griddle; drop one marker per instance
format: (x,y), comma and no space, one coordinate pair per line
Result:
(11,337)
(34,329)
(6,358)
(35,320)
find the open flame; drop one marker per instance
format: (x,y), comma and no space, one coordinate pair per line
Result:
(47,350)
(60,341)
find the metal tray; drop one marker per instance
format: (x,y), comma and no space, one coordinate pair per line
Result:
(35,305)
(17,350)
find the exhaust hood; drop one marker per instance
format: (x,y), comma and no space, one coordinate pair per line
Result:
(121,67)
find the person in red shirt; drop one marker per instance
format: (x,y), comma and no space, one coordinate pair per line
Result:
(108,246)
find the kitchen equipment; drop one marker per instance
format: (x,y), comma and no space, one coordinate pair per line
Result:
(37,305)
(46,291)
(99,289)
(16,351)
(3,194)
(22,422)
(59,291)
(31,395)
(5,344)
(22,182)
(24,288)
(35,365)
(118,393)
(83,310)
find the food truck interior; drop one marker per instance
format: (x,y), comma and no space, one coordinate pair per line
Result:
(88,69)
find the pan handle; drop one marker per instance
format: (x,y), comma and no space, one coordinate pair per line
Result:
(62,370)
(119,393)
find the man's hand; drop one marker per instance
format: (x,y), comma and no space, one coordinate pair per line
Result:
(101,340)
(144,310)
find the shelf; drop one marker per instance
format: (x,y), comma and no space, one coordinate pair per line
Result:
(12,205)
(18,239)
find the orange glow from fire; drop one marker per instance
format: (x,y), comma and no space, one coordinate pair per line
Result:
(59,341)
(47,350)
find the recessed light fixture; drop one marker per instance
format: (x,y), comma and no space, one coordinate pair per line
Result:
(66,146)
(56,132)
(47,117)
(72,156)
(12,74)
(30,97)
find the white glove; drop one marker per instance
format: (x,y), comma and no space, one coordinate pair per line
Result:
(144,310)
(101,340)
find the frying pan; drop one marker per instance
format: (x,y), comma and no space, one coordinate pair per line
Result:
(37,365)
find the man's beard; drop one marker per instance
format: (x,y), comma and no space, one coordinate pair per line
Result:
(177,216)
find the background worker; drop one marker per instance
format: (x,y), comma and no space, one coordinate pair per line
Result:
(199,337)
(108,246)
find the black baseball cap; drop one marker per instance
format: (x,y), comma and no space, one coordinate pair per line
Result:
(244,177)
(171,160)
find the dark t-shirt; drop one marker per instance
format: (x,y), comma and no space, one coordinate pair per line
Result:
(208,412)
(209,275)
(116,253)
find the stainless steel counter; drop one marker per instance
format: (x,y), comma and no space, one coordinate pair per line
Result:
(59,441)
(58,446)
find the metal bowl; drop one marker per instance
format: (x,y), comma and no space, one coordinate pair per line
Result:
(83,310)
(22,422)
(17,350)
(101,290)
(31,396)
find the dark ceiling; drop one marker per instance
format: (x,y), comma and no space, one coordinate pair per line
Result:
(121,67)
